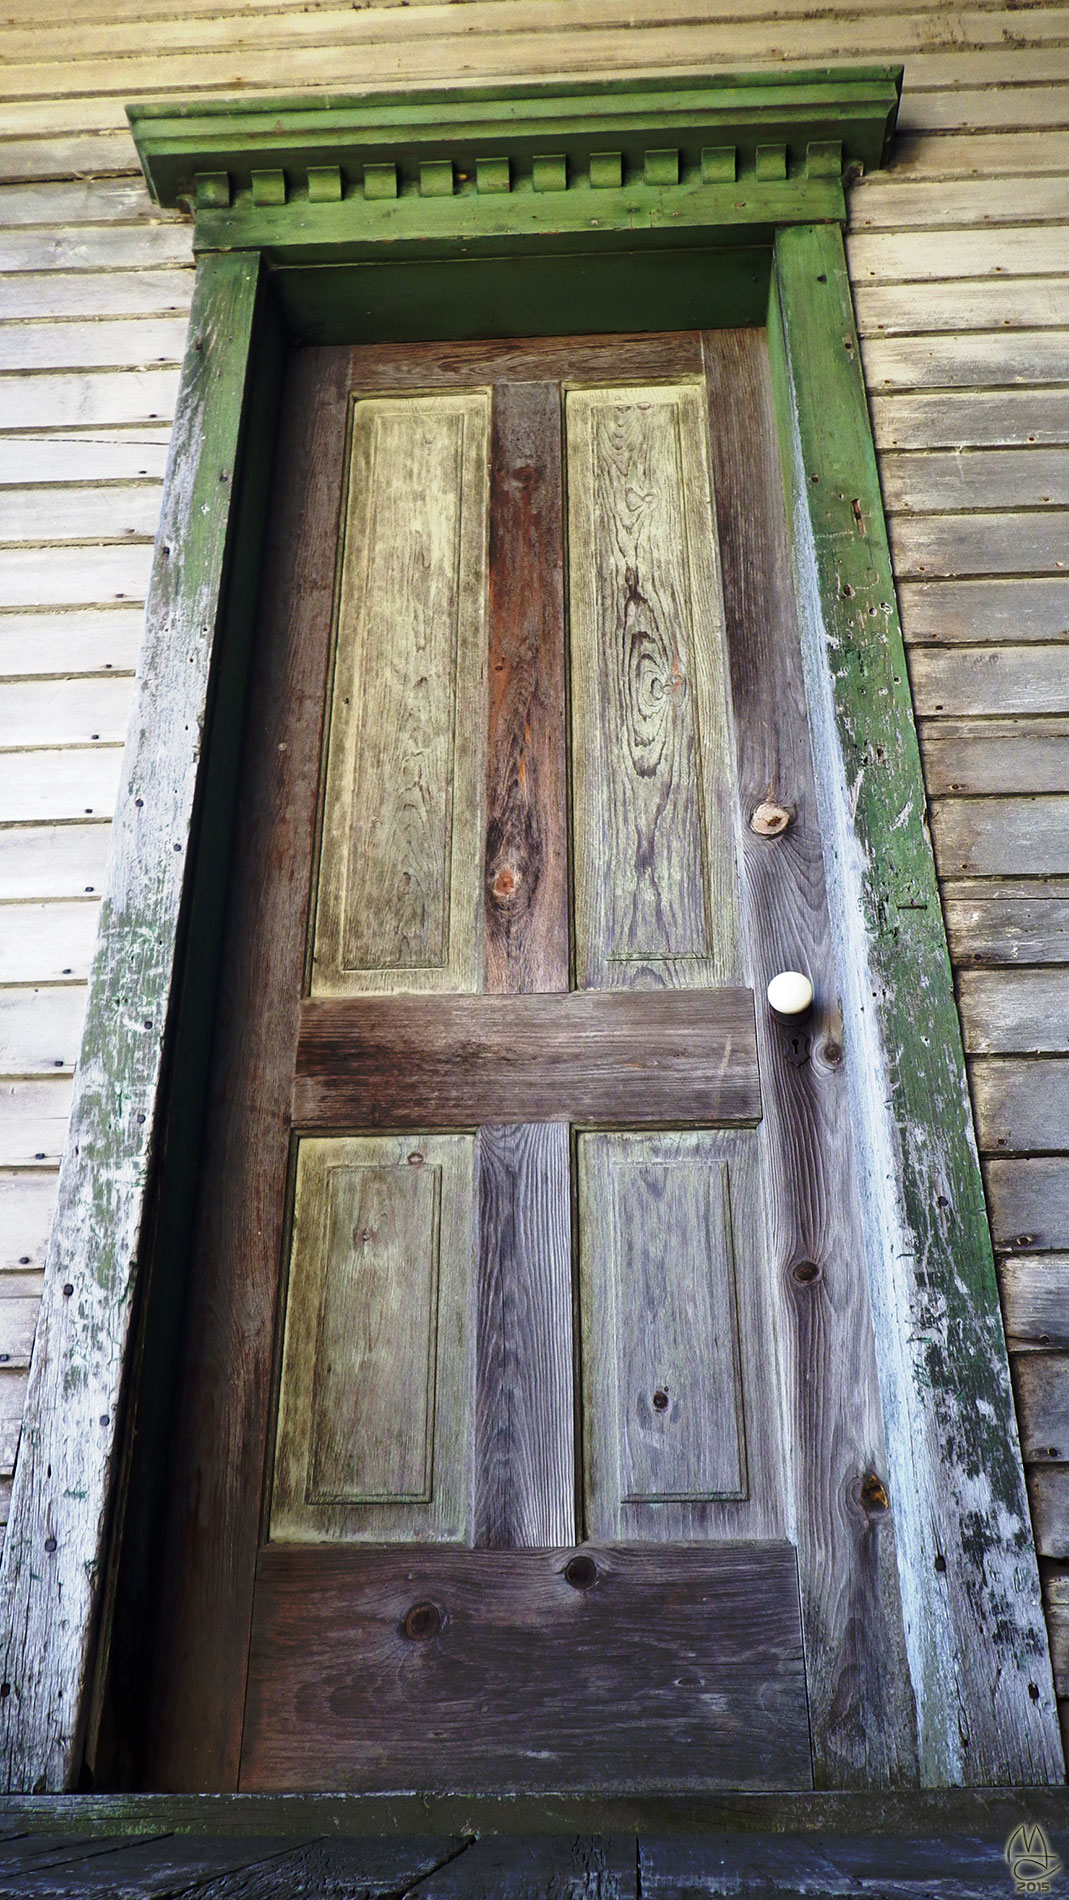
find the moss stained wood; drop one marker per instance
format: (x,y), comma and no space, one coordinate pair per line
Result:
(978,1651)
(51,1573)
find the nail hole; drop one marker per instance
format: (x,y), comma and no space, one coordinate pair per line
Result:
(660,1401)
(50,1543)
(941,1564)
(67,1291)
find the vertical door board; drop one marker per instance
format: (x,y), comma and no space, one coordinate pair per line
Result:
(526,861)
(655,881)
(398,904)
(664,1438)
(860,1701)
(375,1421)
(525,1417)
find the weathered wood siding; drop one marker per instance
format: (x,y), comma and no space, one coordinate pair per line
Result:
(959,258)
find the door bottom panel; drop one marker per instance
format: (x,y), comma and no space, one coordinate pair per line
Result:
(646,1668)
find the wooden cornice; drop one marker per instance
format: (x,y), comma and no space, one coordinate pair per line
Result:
(739,150)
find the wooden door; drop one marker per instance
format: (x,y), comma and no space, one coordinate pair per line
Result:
(499,1465)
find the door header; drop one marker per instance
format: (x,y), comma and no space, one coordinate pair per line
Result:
(519,164)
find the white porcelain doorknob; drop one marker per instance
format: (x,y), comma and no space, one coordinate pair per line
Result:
(790,994)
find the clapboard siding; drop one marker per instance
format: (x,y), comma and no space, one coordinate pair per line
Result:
(959,254)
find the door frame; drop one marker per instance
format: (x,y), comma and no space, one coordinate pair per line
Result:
(671,204)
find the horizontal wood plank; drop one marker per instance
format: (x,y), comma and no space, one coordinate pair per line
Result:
(886,202)
(936,545)
(47,942)
(61,712)
(949,612)
(999,681)
(82,640)
(1022,1107)
(605,1058)
(100,293)
(906,258)
(1001,837)
(65,860)
(1015,1012)
(1007,921)
(87,398)
(100,455)
(962,304)
(62,577)
(114,512)
(1041,1385)
(995,755)
(33,1122)
(989,360)
(26,1203)
(970,418)
(1048,1495)
(925,482)
(1029,1201)
(339,1694)
(125,344)
(40,1029)
(1035,1301)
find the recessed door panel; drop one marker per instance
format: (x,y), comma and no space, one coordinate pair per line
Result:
(399,901)
(655,879)
(375,1412)
(662,1223)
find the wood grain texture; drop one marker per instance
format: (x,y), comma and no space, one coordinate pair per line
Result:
(665,1231)
(601,1057)
(508,364)
(1035,1301)
(860,1706)
(1002,921)
(221,1427)
(339,1694)
(1022,1106)
(398,903)
(1041,1384)
(1014,1012)
(525,866)
(978,756)
(1029,1201)
(525,1403)
(50,1608)
(974,1628)
(375,1431)
(1001,837)
(654,863)
(1022,608)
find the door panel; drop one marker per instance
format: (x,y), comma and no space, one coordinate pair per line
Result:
(401,860)
(663,1403)
(656,895)
(375,1429)
(657,1668)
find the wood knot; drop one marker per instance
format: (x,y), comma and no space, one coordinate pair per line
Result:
(423,1621)
(873,1494)
(769,820)
(580,1571)
(505,883)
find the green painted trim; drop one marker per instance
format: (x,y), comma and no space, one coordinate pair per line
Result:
(472,223)
(975,1632)
(424,166)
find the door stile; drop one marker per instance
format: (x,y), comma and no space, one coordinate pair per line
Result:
(861,1711)
(525,1466)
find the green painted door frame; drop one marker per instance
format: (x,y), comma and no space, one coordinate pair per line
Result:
(538,210)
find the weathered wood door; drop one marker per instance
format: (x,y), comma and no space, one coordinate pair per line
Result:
(529,1435)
